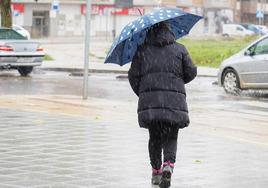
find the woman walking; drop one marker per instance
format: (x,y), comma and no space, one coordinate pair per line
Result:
(160,69)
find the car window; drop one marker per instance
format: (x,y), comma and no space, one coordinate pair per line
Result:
(16,28)
(252,50)
(261,47)
(239,29)
(10,34)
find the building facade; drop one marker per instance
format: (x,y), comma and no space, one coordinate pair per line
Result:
(53,18)
(247,11)
(216,13)
(49,18)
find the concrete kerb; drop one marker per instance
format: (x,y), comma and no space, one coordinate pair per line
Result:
(79,72)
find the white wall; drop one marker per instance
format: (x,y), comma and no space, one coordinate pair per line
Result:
(102,24)
(145,2)
(18,20)
(69,20)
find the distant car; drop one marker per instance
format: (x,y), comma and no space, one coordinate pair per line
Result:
(253,28)
(248,69)
(263,28)
(16,52)
(22,31)
(235,30)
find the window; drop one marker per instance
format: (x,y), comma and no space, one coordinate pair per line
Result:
(239,29)
(261,47)
(9,34)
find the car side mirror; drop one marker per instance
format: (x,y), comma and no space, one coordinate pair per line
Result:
(248,53)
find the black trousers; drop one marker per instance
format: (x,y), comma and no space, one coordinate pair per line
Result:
(163,137)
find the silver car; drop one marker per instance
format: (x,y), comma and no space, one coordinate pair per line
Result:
(248,69)
(16,52)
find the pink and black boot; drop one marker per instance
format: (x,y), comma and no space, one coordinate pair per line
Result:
(166,174)
(156,176)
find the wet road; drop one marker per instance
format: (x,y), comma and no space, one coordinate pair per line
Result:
(225,146)
(210,106)
(108,85)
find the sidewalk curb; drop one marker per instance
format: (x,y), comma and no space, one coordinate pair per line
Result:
(79,71)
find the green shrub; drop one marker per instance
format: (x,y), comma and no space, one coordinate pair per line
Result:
(211,52)
(48,58)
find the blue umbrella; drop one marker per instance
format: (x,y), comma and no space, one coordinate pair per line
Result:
(125,46)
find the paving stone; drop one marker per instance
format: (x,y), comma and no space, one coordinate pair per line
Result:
(66,152)
(8,186)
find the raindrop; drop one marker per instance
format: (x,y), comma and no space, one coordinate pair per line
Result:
(128,33)
(143,25)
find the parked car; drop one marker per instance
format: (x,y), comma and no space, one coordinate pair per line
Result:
(22,31)
(235,30)
(253,28)
(16,52)
(248,69)
(263,28)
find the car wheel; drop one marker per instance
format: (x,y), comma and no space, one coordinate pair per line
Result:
(25,71)
(231,82)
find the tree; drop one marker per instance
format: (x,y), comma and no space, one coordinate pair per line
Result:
(6,14)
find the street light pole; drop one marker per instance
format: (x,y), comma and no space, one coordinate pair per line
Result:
(87,42)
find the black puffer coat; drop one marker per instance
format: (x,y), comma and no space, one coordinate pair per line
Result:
(157,75)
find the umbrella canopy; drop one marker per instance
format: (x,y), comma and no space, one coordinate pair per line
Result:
(125,46)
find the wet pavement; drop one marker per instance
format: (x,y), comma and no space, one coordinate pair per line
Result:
(49,138)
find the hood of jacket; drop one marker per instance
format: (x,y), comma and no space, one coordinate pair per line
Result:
(161,37)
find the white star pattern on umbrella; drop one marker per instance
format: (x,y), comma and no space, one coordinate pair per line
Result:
(139,24)
(133,34)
